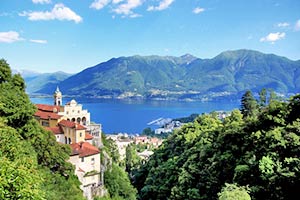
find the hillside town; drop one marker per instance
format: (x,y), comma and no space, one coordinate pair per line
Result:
(122,140)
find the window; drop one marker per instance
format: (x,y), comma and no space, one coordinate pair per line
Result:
(82,159)
(80,135)
(78,111)
(44,123)
(93,161)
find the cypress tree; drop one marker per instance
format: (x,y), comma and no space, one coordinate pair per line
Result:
(248,105)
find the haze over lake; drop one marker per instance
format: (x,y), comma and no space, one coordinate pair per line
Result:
(132,116)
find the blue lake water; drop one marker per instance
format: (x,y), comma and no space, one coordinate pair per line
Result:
(132,116)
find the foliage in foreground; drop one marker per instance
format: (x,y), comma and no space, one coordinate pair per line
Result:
(32,164)
(116,179)
(259,152)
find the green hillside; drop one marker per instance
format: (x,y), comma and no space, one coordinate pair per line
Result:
(35,82)
(247,155)
(226,75)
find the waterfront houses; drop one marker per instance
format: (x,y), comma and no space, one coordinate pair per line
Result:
(168,127)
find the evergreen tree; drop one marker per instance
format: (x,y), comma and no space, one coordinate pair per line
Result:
(263,97)
(248,105)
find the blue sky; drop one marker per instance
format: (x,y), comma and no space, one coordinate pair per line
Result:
(71,35)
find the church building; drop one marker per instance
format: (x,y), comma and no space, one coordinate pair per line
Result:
(70,125)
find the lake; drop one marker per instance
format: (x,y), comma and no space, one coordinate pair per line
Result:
(132,116)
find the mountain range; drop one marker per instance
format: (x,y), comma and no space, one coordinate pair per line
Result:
(227,75)
(36,81)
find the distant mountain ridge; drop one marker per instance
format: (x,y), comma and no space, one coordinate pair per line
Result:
(36,81)
(187,77)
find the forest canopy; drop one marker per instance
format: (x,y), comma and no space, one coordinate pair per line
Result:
(251,154)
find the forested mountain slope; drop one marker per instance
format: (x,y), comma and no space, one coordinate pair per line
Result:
(187,77)
(256,152)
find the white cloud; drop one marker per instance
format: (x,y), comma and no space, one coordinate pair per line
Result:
(9,37)
(99,4)
(283,24)
(297,26)
(41,1)
(39,41)
(164,4)
(198,10)
(273,37)
(59,12)
(116,1)
(126,8)
(135,15)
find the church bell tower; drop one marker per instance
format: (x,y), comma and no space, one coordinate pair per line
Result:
(57,97)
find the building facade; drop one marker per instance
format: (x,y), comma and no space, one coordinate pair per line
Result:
(74,112)
(70,125)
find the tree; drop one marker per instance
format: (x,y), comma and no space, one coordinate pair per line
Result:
(148,131)
(197,161)
(248,105)
(232,191)
(19,174)
(111,148)
(263,97)
(132,160)
(118,184)
(5,71)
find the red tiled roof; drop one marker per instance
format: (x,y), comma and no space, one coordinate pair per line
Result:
(55,130)
(88,136)
(46,115)
(70,124)
(83,149)
(48,108)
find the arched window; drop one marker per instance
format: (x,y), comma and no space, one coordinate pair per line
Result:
(78,120)
(70,141)
(84,120)
(66,140)
(73,120)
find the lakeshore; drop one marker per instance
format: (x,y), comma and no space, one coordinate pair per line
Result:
(128,116)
